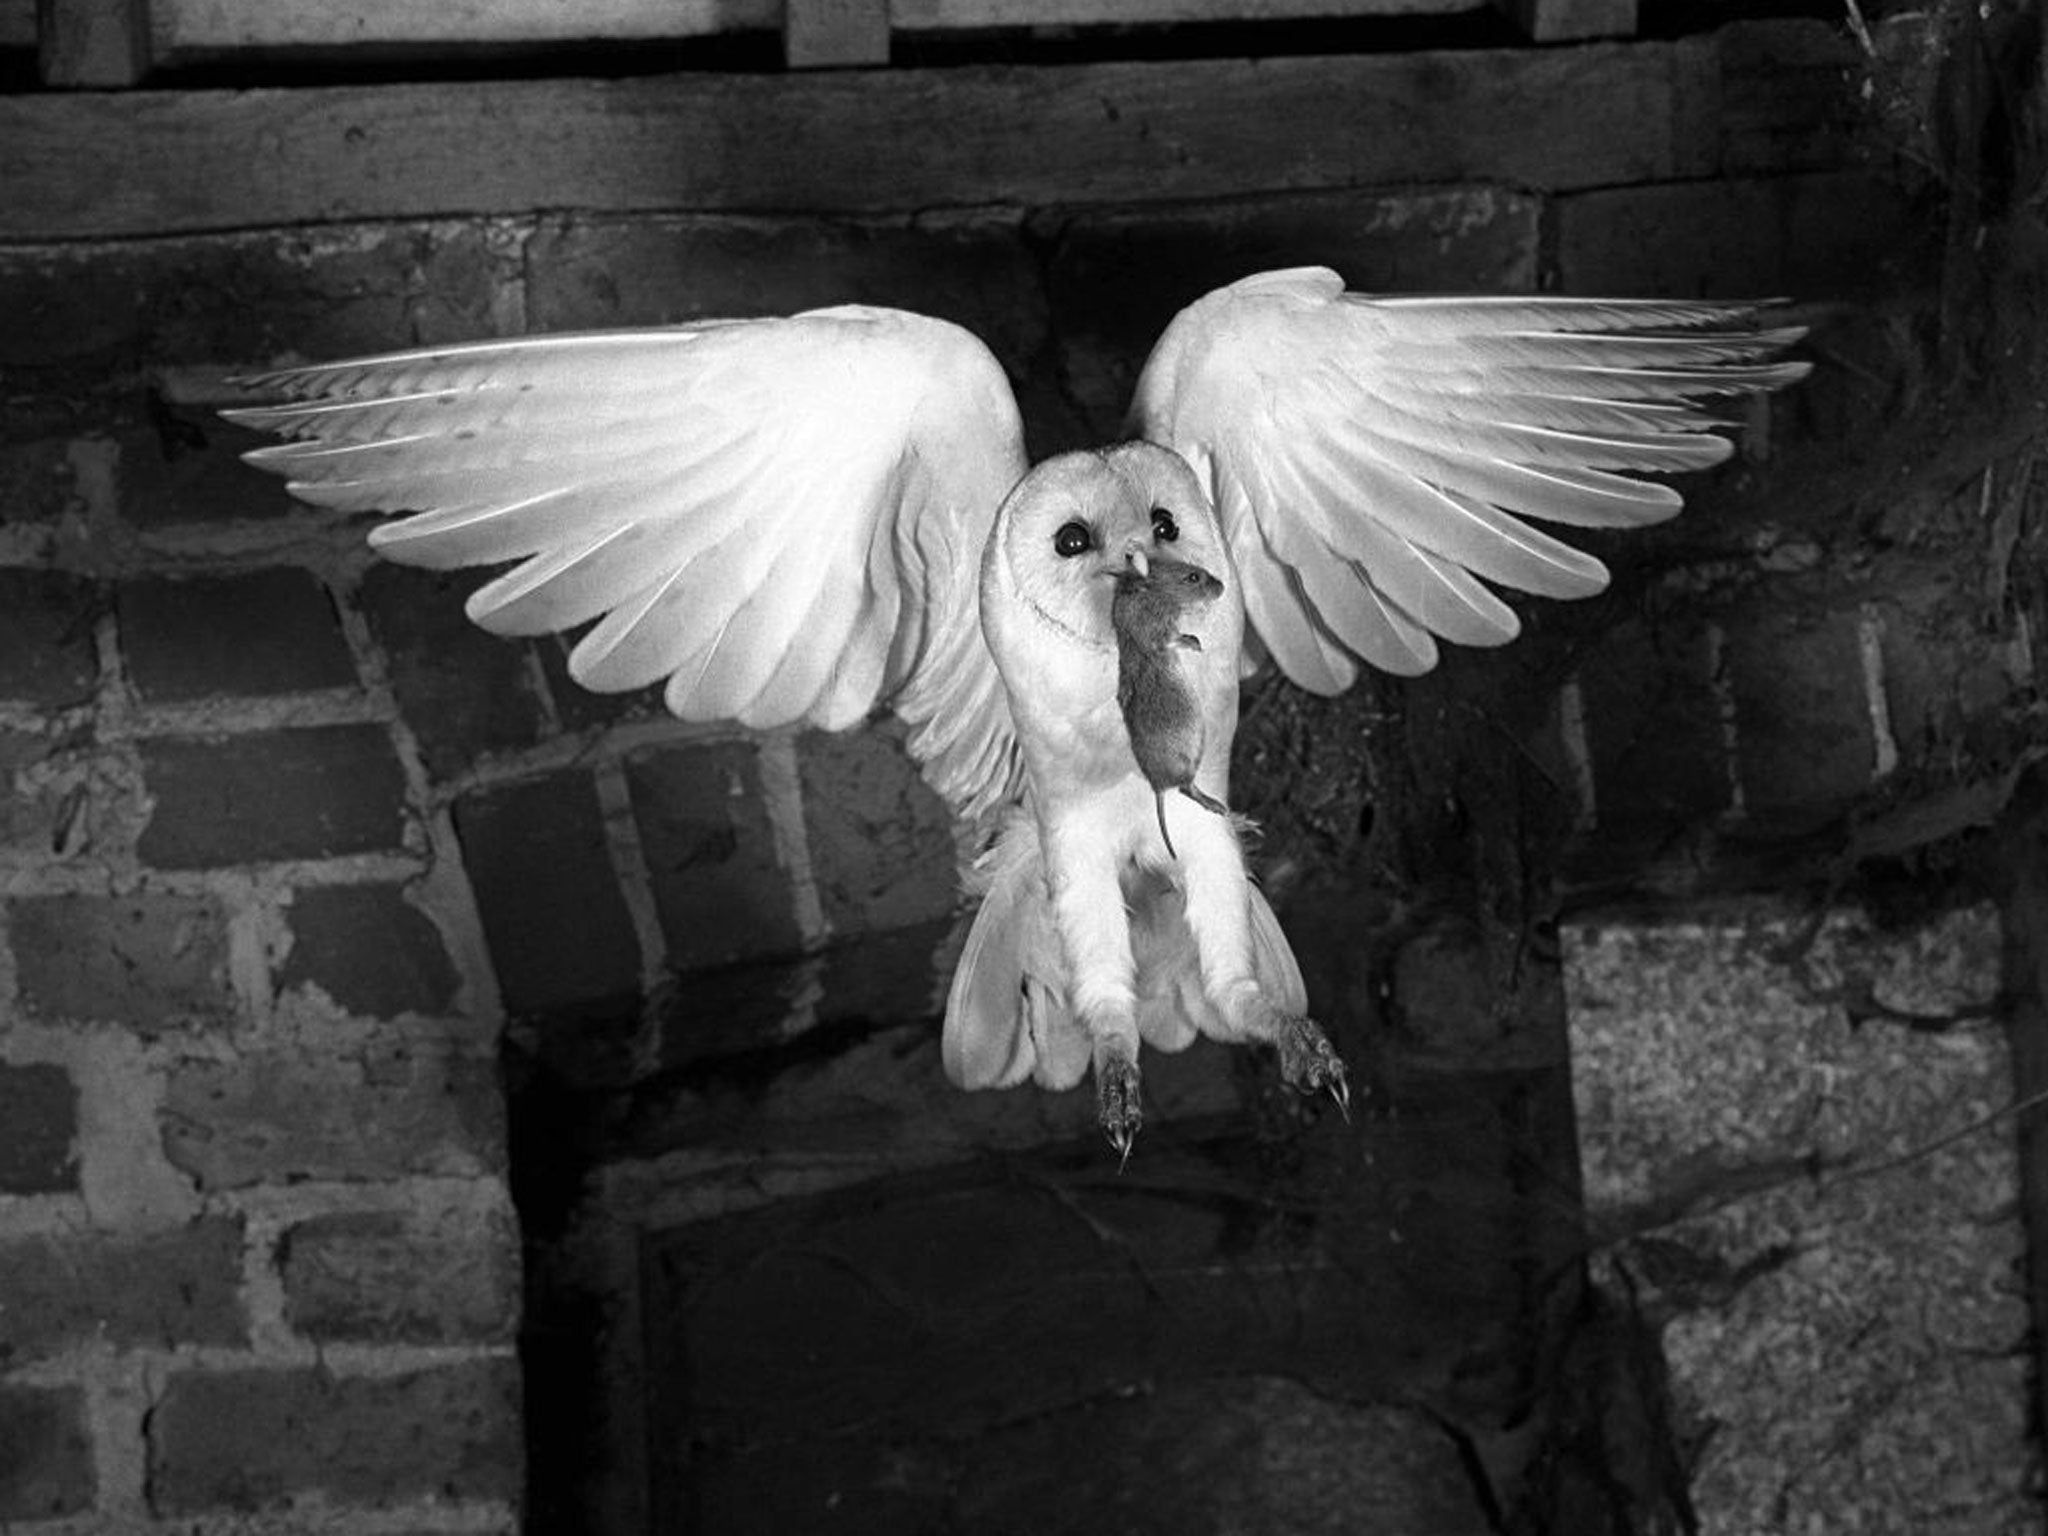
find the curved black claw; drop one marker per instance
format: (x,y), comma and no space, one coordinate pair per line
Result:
(1116,1100)
(1308,1061)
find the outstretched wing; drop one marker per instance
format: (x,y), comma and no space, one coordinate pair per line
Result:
(780,520)
(1373,459)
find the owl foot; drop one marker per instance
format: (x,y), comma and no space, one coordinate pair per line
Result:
(1308,1061)
(1116,1101)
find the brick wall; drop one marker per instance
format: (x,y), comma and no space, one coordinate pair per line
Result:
(287,840)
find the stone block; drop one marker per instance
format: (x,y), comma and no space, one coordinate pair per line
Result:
(721,892)
(36,481)
(151,961)
(881,840)
(560,935)
(251,633)
(184,466)
(260,1440)
(426,1276)
(1118,277)
(47,652)
(47,1469)
(1655,735)
(369,949)
(311,793)
(157,1290)
(39,1108)
(465,693)
(1804,747)
(1823,234)
(382,1112)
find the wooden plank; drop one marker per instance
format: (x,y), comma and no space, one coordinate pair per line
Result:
(1566,21)
(151,162)
(93,44)
(199,28)
(835,34)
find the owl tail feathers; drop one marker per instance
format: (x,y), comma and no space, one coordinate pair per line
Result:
(1006,1017)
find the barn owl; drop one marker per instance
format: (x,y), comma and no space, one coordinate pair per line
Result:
(802,519)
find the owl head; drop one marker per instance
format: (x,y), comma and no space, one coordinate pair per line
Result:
(1076,523)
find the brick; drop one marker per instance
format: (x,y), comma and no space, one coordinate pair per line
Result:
(39,1108)
(881,841)
(886,976)
(36,484)
(252,633)
(259,1439)
(385,1112)
(585,272)
(1118,277)
(1804,748)
(464,692)
(184,465)
(559,933)
(1654,728)
(151,961)
(42,787)
(369,949)
(243,298)
(421,1277)
(296,794)
(157,1290)
(1828,233)
(721,893)
(46,1470)
(47,653)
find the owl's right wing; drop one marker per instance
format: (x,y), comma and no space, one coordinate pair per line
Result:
(780,520)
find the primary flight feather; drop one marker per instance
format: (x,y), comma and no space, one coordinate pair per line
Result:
(798,520)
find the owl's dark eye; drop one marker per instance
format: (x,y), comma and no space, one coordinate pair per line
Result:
(1072,539)
(1164,528)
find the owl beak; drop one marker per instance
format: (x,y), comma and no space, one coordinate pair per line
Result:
(1136,559)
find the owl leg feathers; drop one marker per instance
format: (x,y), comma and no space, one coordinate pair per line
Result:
(1088,913)
(1247,970)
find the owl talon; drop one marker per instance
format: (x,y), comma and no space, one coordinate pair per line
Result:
(1308,1061)
(1116,1099)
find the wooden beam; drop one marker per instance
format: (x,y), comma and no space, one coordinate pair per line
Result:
(871,141)
(93,44)
(188,29)
(1570,21)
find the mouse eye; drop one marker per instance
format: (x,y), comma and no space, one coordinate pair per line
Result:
(1072,539)
(1164,528)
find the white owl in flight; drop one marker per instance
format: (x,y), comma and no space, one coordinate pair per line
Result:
(802,519)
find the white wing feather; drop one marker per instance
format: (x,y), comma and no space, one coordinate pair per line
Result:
(1372,459)
(780,520)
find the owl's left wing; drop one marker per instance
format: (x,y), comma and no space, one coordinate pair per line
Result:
(780,520)
(1373,459)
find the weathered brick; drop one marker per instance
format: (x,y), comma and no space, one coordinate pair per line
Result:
(422,1277)
(160,1289)
(1804,748)
(369,949)
(46,1465)
(295,794)
(1828,233)
(254,632)
(384,1112)
(1654,728)
(1118,277)
(559,933)
(42,787)
(47,654)
(39,1108)
(464,692)
(184,466)
(151,961)
(721,893)
(258,1439)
